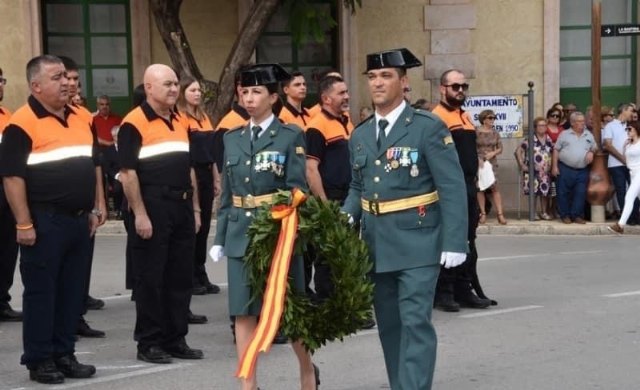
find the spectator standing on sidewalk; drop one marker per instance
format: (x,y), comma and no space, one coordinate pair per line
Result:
(614,139)
(572,155)
(632,157)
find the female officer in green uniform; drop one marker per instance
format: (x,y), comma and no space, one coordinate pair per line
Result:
(259,159)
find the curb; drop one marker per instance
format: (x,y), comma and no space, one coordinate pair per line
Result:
(514,227)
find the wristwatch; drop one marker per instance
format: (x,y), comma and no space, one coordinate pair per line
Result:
(96,212)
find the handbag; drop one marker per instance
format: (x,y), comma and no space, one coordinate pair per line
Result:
(486,177)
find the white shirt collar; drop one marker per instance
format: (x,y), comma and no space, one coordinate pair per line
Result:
(264,125)
(391,117)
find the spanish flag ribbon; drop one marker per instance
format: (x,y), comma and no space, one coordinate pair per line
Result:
(275,291)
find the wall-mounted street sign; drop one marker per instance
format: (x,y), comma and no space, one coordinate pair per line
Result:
(619,30)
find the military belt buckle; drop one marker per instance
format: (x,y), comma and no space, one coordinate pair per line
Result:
(374,207)
(248,202)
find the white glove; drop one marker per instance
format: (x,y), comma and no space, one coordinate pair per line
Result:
(350,220)
(452,259)
(216,252)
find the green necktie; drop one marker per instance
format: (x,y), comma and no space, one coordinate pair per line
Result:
(255,130)
(382,124)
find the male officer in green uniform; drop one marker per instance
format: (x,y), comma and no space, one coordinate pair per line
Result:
(408,193)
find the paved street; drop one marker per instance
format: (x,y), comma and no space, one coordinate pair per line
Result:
(568,318)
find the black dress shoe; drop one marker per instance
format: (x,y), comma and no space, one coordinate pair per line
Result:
(316,371)
(46,372)
(197,318)
(10,315)
(155,355)
(369,323)
(212,288)
(84,330)
(445,302)
(199,290)
(71,368)
(93,303)
(472,301)
(183,351)
(280,338)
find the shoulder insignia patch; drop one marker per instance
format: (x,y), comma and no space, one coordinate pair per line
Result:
(299,150)
(447,140)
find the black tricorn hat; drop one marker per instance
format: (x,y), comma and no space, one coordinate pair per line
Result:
(263,74)
(396,58)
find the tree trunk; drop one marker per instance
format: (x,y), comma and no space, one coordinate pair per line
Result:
(218,96)
(241,52)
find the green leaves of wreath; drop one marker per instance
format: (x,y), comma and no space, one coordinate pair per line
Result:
(324,229)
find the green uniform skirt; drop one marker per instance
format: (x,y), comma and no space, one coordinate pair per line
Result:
(240,290)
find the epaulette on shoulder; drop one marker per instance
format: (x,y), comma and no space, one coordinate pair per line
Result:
(365,121)
(235,128)
(424,113)
(291,127)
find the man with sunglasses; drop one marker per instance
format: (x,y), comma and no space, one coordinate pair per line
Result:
(455,284)
(614,137)
(8,244)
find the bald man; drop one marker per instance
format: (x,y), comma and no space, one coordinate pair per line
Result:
(159,182)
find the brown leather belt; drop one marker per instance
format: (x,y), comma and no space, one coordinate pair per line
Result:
(376,207)
(251,201)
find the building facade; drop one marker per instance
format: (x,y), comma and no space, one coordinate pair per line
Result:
(500,44)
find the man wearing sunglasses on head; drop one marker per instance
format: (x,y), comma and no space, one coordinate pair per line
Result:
(454,287)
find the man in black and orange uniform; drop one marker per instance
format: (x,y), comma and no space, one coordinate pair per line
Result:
(73,77)
(455,284)
(237,116)
(328,166)
(160,186)
(315,109)
(49,167)
(8,245)
(295,90)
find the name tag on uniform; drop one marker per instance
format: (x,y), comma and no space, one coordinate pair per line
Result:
(299,150)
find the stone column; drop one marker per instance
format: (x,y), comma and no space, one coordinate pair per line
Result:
(450,23)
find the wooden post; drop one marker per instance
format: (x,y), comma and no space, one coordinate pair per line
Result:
(599,190)
(596,56)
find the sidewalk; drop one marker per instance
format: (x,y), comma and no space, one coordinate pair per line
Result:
(513,227)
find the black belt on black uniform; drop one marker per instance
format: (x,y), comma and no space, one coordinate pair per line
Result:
(167,192)
(55,209)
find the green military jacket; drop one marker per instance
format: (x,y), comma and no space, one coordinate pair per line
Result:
(276,161)
(417,157)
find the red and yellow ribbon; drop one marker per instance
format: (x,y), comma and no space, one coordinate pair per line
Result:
(276,289)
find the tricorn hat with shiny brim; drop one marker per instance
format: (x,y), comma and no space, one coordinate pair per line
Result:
(263,74)
(396,58)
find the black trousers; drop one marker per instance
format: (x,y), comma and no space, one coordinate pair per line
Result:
(204,177)
(163,269)
(87,276)
(457,280)
(8,251)
(322,276)
(53,272)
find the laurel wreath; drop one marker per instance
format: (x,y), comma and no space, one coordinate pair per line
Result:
(324,228)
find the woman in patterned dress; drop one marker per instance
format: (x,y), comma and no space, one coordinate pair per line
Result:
(542,149)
